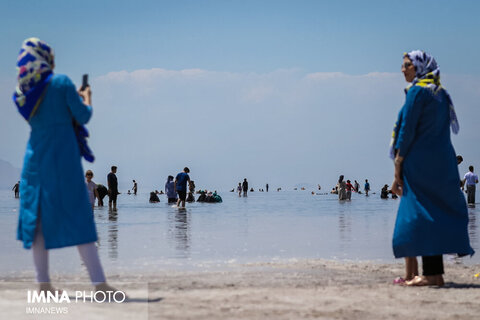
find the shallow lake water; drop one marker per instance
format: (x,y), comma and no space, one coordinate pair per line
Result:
(261,227)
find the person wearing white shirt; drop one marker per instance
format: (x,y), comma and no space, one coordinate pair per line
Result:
(470,180)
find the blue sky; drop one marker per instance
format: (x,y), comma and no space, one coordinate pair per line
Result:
(262,79)
(354,37)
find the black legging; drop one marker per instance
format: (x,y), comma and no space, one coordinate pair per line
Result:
(432,265)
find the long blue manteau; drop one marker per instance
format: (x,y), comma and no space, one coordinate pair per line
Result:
(52,185)
(432,217)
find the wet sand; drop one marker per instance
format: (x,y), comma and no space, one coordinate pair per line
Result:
(303,289)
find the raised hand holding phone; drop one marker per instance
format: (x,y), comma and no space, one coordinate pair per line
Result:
(84,82)
(85,92)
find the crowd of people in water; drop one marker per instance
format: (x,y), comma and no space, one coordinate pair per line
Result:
(175,190)
(344,189)
(175,187)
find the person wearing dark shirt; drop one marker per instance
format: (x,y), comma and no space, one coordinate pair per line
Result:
(134,189)
(102,192)
(112,189)
(181,186)
(356,186)
(202,196)
(16,189)
(153,197)
(245,187)
(384,193)
(191,191)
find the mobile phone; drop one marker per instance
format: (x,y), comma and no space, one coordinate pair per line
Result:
(84,82)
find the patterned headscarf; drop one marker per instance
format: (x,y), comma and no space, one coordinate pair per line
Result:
(35,69)
(427,75)
(34,66)
(424,64)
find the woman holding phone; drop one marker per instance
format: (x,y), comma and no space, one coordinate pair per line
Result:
(55,211)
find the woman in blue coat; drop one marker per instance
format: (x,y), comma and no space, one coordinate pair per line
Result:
(54,206)
(432,217)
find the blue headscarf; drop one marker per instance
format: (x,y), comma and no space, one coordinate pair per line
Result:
(35,70)
(34,66)
(427,75)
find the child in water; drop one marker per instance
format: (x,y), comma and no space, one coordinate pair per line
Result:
(91,187)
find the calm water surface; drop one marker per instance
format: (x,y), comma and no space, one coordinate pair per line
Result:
(262,227)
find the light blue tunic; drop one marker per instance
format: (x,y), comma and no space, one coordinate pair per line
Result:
(52,184)
(432,217)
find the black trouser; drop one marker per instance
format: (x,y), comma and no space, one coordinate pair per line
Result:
(471,193)
(432,265)
(182,194)
(112,196)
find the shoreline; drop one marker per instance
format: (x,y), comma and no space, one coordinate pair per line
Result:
(302,289)
(178,265)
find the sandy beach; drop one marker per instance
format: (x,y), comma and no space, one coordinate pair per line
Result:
(293,289)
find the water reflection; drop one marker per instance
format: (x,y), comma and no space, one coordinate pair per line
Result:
(344,224)
(344,227)
(472,227)
(113,235)
(179,231)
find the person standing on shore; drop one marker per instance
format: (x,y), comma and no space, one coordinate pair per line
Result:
(55,211)
(245,187)
(112,189)
(16,189)
(266,187)
(366,187)
(430,221)
(239,189)
(470,180)
(134,188)
(170,190)
(181,186)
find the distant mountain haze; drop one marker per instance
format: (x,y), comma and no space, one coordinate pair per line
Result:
(9,175)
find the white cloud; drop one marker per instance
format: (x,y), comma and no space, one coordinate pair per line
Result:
(325,75)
